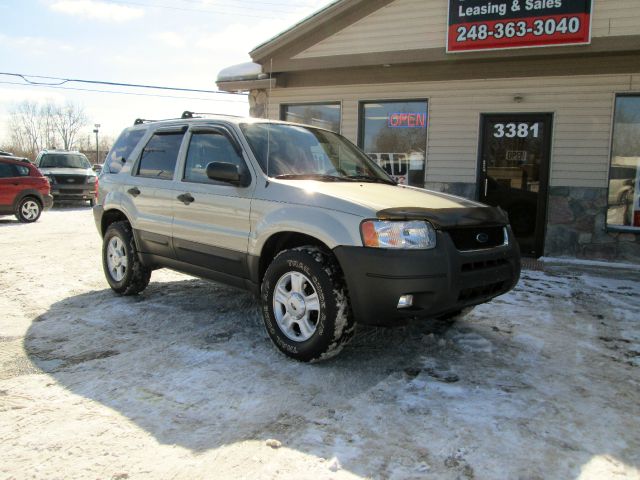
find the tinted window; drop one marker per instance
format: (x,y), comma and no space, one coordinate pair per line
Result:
(22,170)
(7,170)
(64,160)
(624,174)
(205,148)
(121,150)
(323,116)
(159,156)
(394,135)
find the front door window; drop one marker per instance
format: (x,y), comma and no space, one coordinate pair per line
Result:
(513,173)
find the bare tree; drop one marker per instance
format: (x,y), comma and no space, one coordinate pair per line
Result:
(68,119)
(34,126)
(24,125)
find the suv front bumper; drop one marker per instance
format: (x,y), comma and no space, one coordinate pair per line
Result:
(75,193)
(441,280)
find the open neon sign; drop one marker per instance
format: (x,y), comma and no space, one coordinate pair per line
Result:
(407,120)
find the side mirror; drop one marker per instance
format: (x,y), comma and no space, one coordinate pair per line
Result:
(226,172)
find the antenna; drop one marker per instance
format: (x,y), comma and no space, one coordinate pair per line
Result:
(269,123)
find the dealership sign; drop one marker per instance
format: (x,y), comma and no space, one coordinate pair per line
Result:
(497,24)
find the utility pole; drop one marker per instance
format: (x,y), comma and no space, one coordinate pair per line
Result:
(95,130)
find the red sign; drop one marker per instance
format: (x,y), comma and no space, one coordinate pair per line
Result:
(497,24)
(407,120)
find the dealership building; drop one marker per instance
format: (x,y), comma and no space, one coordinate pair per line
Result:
(531,105)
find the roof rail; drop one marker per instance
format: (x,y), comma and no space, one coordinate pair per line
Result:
(188,114)
(140,121)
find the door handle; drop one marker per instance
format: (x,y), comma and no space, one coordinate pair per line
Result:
(133,191)
(486,184)
(186,198)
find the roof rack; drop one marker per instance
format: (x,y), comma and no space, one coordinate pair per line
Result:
(188,114)
(140,121)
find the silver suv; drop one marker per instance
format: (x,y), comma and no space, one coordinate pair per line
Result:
(301,217)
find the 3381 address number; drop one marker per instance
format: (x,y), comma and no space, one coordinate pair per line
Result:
(513,130)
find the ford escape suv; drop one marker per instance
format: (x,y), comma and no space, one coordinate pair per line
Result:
(70,175)
(303,218)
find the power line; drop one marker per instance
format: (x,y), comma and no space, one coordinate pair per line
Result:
(253,4)
(62,81)
(58,87)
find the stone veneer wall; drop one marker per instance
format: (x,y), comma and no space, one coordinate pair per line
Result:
(258,103)
(576,219)
(576,227)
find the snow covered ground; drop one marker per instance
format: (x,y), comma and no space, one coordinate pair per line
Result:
(182,381)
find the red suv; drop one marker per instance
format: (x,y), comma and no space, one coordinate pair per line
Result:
(24,191)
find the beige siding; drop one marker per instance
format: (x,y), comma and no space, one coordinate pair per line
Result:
(582,108)
(422,24)
(401,25)
(615,17)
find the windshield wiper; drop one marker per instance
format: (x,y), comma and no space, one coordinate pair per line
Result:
(368,178)
(312,176)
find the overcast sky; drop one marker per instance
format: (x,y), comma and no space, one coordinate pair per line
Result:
(177,43)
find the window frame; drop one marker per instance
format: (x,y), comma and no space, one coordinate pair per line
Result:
(231,138)
(173,130)
(283,107)
(361,126)
(608,226)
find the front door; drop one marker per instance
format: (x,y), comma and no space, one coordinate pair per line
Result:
(513,173)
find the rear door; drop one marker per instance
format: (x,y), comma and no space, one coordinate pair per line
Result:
(211,218)
(9,184)
(150,191)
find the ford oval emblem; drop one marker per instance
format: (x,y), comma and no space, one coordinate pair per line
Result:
(70,180)
(482,237)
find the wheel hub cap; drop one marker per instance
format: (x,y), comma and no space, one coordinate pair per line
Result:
(296,306)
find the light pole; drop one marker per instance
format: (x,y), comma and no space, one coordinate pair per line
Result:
(95,130)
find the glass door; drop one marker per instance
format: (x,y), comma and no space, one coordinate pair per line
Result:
(513,173)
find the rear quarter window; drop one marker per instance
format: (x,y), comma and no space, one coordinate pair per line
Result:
(119,153)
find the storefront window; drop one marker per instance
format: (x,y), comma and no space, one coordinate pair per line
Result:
(326,115)
(624,175)
(394,134)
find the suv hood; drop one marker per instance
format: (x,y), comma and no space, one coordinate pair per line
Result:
(371,200)
(67,171)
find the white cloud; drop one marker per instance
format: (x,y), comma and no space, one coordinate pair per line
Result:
(97,10)
(170,39)
(37,45)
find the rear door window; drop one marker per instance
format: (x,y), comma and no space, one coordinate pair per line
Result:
(159,156)
(7,170)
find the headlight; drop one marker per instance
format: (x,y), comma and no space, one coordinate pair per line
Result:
(51,178)
(394,234)
(91,179)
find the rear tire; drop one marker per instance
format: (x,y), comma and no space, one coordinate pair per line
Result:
(305,304)
(122,267)
(28,210)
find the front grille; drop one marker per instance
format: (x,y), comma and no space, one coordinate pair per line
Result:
(483,291)
(483,264)
(70,179)
(477,238)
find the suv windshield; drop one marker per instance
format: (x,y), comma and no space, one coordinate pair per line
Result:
(300,152)
(64,160)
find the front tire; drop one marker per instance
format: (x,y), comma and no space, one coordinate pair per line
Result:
(305,304)
(122,267)
(28,210)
